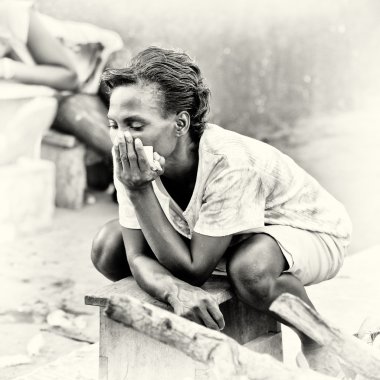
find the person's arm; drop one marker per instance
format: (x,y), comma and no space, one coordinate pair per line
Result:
(188,301)
(53,66)
(195,263)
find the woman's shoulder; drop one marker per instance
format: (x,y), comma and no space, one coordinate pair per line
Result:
(233,147)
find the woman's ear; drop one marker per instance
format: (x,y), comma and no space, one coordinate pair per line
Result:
(182,123)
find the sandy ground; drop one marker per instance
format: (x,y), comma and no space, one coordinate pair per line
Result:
(47,272)
(51,270)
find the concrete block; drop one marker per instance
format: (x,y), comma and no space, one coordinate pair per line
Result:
(26,197)
(70,181)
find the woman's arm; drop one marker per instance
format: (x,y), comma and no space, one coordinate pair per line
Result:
(53,65)
(188,301)
(194,264)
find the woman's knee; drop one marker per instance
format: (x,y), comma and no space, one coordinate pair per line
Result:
(252,271)
(108,252)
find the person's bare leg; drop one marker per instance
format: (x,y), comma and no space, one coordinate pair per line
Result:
(108,252)
(255,269)
(85,117)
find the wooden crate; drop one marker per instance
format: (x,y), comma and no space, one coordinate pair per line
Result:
(128,354)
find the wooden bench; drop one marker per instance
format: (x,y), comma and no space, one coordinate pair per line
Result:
(128,354)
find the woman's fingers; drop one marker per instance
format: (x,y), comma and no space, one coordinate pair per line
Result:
(123,151)
(117,160)
(131,154)
(208,321)
(216,314)
(142,159)
(159,163)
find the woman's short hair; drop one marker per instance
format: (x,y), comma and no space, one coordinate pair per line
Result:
(178,78)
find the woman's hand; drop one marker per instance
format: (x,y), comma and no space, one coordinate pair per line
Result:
(132,165)
(197,305)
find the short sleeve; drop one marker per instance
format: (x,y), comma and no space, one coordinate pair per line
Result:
(233,203)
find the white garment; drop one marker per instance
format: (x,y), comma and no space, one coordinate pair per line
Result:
(312,257)
(243,184)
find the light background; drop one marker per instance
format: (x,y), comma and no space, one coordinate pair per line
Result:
(301,75)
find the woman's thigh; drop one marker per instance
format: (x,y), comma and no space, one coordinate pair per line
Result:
(108,252)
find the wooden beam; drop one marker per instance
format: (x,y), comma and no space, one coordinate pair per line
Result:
(354,353)
(229,360)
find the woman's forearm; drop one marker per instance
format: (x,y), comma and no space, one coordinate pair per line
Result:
(186,300)
(152,277)
(58,77)
(165,242)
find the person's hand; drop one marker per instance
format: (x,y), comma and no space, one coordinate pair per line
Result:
(197,305)
(132,165)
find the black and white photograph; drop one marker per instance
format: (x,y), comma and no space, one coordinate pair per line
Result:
(189,190)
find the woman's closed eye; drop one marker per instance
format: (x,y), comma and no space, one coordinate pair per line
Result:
(136,124)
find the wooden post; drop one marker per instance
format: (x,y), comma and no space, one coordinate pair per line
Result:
(355,353)
(228,359)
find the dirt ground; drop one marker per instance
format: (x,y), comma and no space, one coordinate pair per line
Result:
(47,272)
(44,277)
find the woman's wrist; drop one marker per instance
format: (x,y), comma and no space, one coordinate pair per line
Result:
(138,193)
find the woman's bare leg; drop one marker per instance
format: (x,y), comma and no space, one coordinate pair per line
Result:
(256,270)
(108,252)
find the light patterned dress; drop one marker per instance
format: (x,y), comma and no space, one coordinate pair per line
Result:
(244,185)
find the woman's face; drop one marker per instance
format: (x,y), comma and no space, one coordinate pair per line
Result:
(136,108)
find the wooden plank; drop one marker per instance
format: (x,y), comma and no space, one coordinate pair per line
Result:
(225,356)
(354,352)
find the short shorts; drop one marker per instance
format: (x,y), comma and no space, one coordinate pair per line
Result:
(312,257)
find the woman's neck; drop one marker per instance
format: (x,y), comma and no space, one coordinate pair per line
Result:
(183,163)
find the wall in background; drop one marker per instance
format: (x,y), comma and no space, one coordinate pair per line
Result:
(302,75)
(268,62)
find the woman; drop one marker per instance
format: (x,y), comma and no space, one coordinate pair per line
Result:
(219,202)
